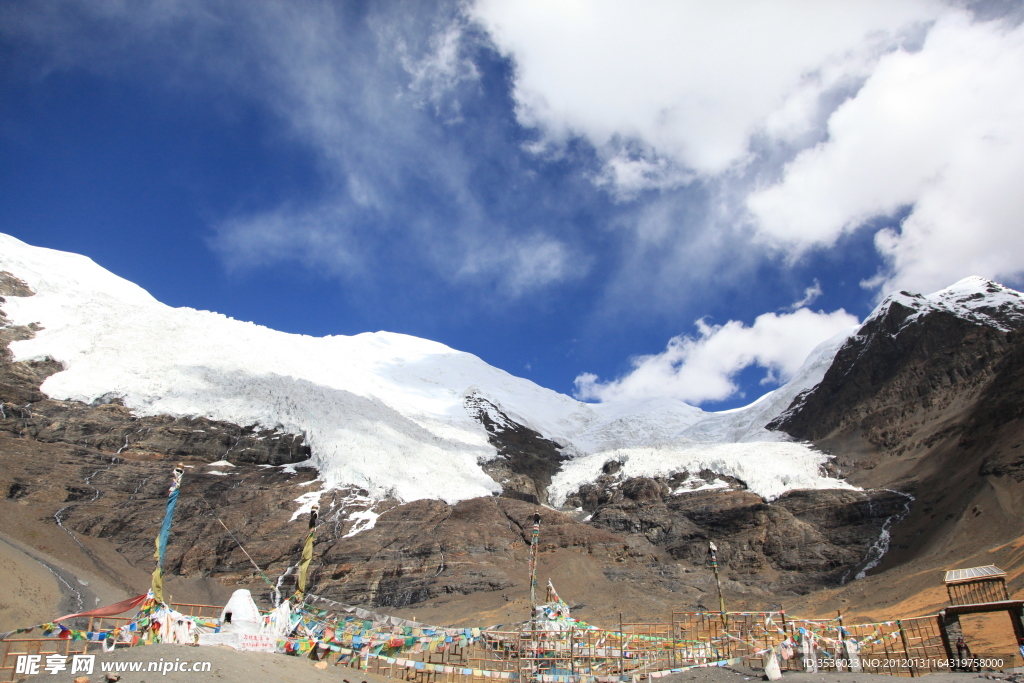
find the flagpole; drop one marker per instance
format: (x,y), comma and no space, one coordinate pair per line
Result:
(165,530)
(713,551)
(533,563)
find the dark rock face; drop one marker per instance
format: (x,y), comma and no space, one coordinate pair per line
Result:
(526,460)
(95,493)
(427,549)
(112,428)
(803,540)
(610,488)
(997,423)
(19,382)
(415,552)
(904,389)
(885,378)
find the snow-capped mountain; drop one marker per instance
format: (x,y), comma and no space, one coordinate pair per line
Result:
(974,298)
(382,411)
(914,352)
(920,406)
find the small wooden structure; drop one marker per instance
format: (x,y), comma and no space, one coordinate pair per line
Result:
(977,590)
(976,585)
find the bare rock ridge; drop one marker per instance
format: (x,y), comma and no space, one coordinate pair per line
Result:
(821,533)
(10,285)
(526,460)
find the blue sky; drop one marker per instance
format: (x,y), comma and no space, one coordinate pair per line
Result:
(561,188)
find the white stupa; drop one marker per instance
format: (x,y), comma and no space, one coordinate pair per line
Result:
(241,615)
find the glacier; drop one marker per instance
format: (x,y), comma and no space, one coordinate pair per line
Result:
(380,411)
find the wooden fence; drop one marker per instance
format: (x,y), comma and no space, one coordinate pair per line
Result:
(577,654)
(908,647)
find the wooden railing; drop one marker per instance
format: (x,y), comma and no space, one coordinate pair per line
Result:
(11,648)
(906,647)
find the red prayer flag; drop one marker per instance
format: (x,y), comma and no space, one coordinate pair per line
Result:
(109,610)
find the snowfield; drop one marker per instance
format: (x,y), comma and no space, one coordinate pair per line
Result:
(381,411)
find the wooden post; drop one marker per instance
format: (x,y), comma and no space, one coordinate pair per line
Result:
(783,664)
(533,564)
(572,653)
(672,639)
(906,650)
(946,626)
(713,551)
(842,653)
(622,647)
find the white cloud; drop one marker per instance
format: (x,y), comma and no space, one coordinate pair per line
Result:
(940,130)
(689,82)
(702,368)
(439,72)
(897,107)
(628,171)
(811,295)
(526,264)
(371,95)
(313,236)
(373,102)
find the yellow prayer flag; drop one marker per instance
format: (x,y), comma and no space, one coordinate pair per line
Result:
(307,557)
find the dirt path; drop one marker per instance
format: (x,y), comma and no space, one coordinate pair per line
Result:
(30,595)
(40,589)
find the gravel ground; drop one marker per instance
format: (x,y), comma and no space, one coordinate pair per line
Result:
(226,666)
(740,674)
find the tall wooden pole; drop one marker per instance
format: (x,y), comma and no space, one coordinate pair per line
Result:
(906,650)
(672,636)
(842,653)
(161,539)
(533,564)
(713,551)
(622,647)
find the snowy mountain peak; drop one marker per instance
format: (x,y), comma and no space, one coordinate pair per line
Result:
(984,301)
(54,271)
(974,298)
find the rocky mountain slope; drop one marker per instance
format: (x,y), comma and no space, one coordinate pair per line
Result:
(426,503)
(926,397)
